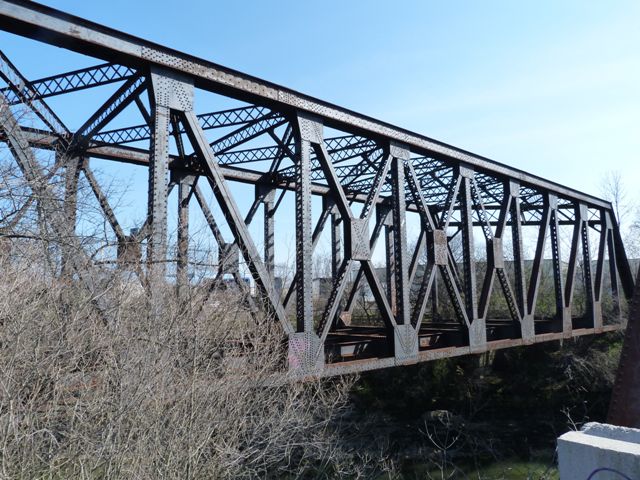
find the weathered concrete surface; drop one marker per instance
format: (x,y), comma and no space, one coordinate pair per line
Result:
(600,452)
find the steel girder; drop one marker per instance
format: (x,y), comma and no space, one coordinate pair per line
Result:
(466,284)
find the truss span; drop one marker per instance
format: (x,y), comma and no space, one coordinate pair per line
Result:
(435,251)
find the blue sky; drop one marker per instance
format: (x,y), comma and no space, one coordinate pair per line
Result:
(550,87)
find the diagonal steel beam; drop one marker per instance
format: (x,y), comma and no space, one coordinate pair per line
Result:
(219,238)
(112,107)
(536,270)
(248,132)
(233,217)
(430,224)
(104,203)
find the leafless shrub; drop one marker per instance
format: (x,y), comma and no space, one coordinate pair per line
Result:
(92,386)
(194,393)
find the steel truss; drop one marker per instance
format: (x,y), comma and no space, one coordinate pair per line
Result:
(434,298)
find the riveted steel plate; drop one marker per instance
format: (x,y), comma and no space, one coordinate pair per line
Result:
(466,172)
(172,90)
(399,150)
(305,353)
(366,154)
(359,239)
(405,342)
(440,247)
(514,188)
(498,252)
(310,128)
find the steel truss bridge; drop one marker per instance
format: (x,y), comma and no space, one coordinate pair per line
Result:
(435,297)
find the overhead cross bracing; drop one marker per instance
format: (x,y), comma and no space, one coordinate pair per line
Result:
(492,240)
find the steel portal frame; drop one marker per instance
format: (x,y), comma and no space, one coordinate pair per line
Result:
(436,298)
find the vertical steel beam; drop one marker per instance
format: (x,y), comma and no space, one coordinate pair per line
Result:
(591,308)
(317,231)
(477,330)
(580,239)
(573,258)
(71,176)
(390,263)
(401,263)
(269,238)
(600,266)
(435,302)
(185,190)
(562,321)
(160,96)
(624,269)
(613,269)
(306,349)
(405,338)
(336,242)
(304,259)
(518,257)
(267,195)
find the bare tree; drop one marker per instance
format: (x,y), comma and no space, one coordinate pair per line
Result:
(627,211)
(191,394)
(613,189)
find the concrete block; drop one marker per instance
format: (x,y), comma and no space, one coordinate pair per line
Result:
(599,452)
